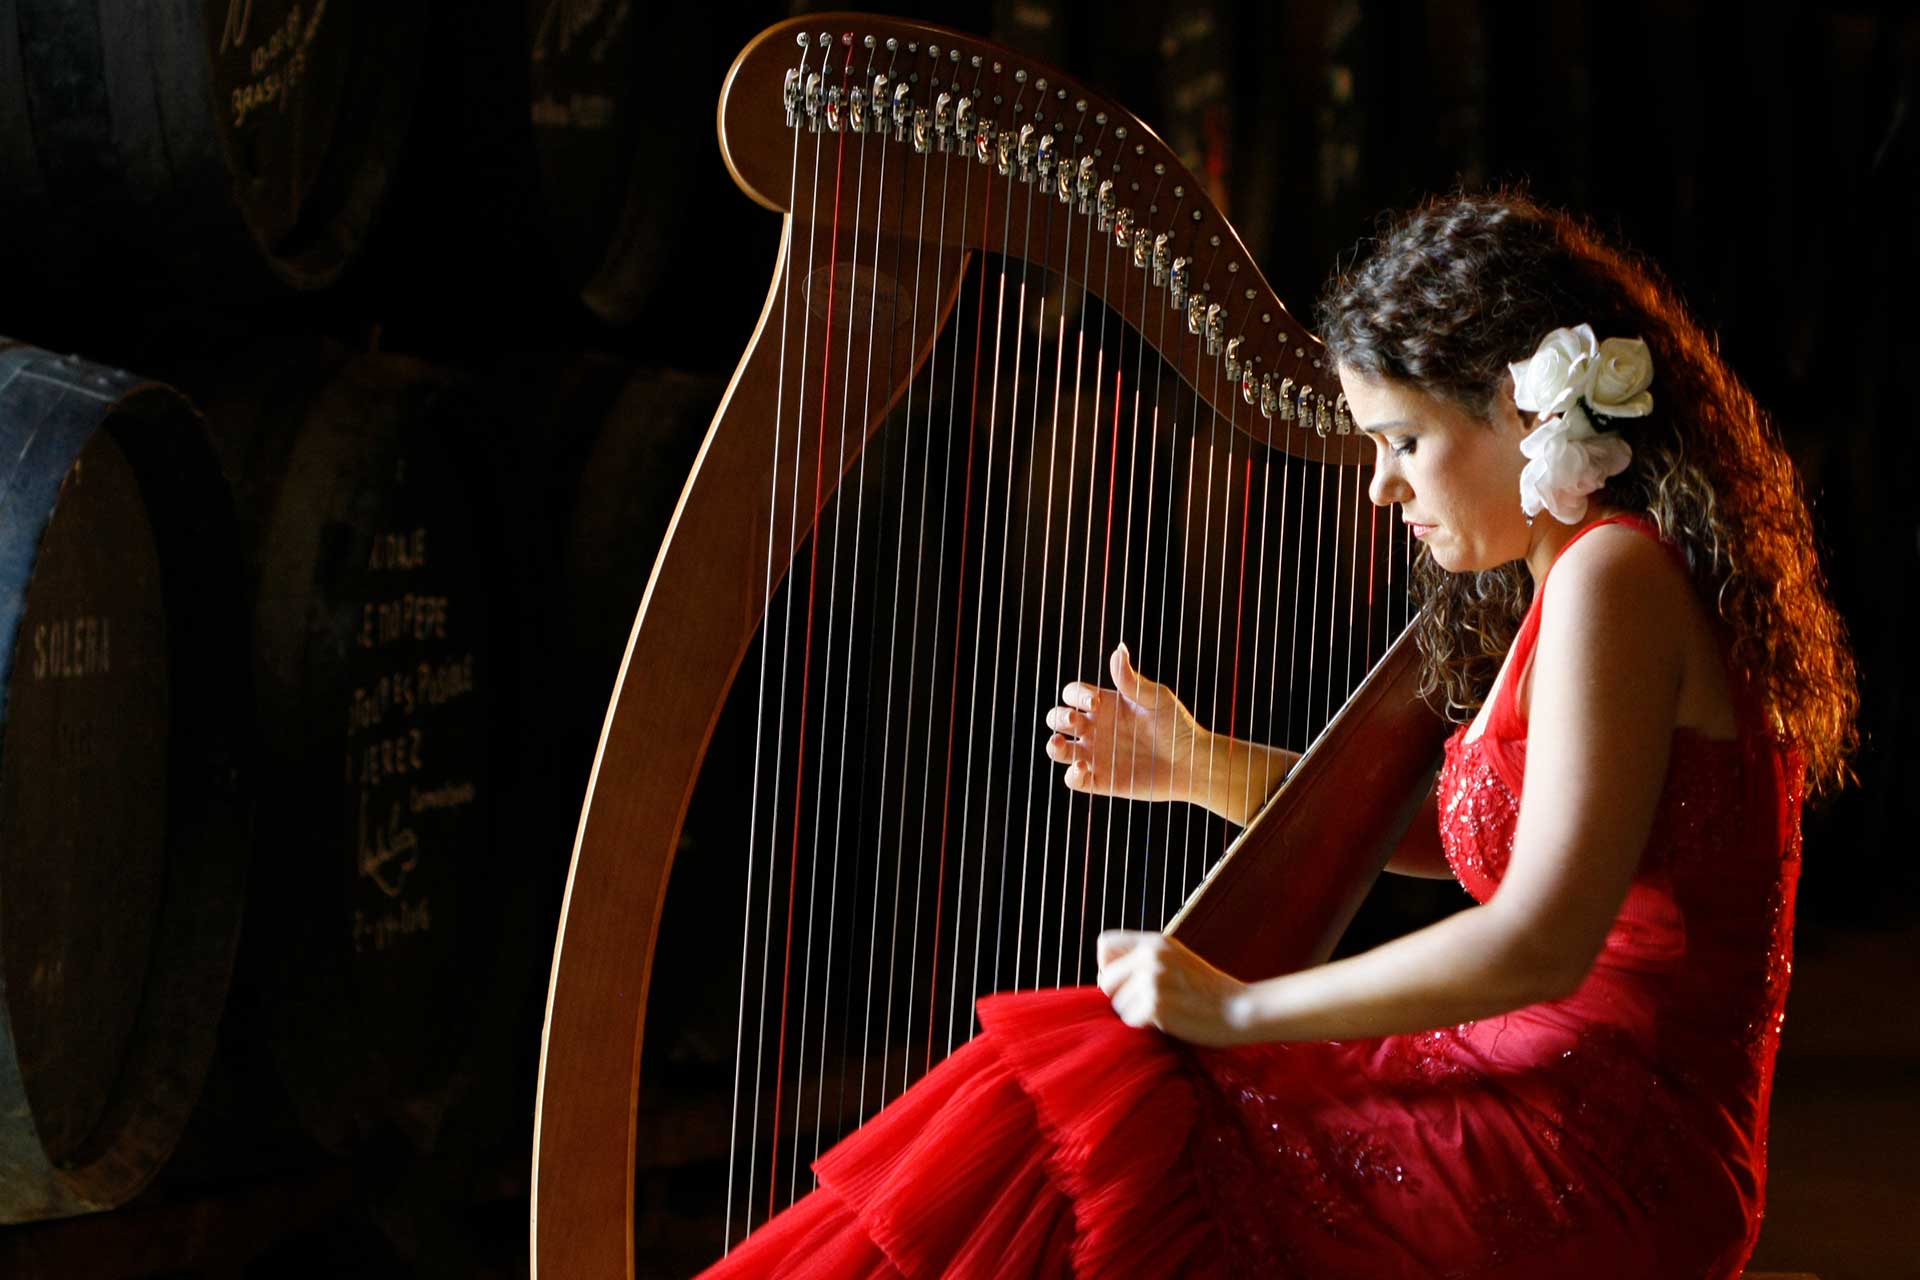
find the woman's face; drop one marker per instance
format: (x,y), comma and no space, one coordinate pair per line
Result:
(1455,478)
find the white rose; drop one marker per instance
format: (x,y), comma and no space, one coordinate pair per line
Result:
(1622,373)
(1560,372)
(1566,461)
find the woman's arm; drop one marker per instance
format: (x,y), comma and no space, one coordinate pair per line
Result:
(1232,778)
(1474,964)
(1419,852)
(1605,697)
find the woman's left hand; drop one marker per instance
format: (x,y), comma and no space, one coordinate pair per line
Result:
(1155,981)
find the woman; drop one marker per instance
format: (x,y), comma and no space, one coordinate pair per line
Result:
(1569,1078)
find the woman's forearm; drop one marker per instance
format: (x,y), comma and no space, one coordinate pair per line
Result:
(1232,778)
(1470,965)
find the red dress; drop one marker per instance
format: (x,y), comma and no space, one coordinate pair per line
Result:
(1619,1131)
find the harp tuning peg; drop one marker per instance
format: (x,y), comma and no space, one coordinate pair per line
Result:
(1322,420)
(1044,160)
(1269,399)
(877,104)
(1083,186)
(857,109)
(943,120)
(963,121)
(1233,357)
(984,147)
(1216,327)
(1024,153)
(1287,410)
(795,96)
(1003,152)
(1342,419)
(1196,313)
(902,110)
(922,131)
(813,98)
(1176,277)
(835,109)
(1104,212)
(1140,250)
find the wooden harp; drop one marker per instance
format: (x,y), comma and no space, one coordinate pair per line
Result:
(1017,391)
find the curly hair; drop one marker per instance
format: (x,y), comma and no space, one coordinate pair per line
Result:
(1461,286)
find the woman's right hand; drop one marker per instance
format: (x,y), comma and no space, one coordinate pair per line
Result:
(1134,740)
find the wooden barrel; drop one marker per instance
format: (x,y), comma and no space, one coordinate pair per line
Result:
(604,447)
(225,144)
(383,974)
(122,815)
(566,176)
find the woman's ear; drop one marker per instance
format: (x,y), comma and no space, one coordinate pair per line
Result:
(1507,414)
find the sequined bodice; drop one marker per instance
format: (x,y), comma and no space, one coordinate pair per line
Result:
(1696,964)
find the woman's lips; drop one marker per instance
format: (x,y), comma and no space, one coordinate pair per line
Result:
(1419,530)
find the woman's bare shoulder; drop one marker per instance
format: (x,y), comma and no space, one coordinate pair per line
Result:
(1616,577)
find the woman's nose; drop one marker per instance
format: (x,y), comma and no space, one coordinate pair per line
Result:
(1386,487)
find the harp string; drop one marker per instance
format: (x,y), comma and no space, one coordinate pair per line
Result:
(786,298)
(1106,575)
(1206,542)
(1333,594)
(1126,585)
(806,662)
(1146,541)
(1020,608)
(833,592)
(906,1061)
(966,515)
(887,752)
(1353,568)
(1060,627)
(1239,597)
(1046,550)
(786,647)
(973,691)
(999,613)
(1259,615)
(1216,757)
(1220,600)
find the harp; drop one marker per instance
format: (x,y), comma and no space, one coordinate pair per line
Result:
(1017,391)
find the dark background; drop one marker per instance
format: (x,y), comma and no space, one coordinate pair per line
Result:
(1763,155)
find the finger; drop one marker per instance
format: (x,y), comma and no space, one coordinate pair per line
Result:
(1111,944)
(1066,751)
(1083,697)
(1125,678)
(1116,973)
(1079,776)
(1135,1006)
(1067,720)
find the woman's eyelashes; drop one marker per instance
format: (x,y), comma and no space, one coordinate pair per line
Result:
(1403,447)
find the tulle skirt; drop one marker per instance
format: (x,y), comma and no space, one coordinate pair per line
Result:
(1052,1144)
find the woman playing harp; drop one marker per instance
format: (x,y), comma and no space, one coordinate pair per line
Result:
(1621,601)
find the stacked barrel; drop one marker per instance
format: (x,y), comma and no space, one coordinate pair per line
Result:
(334,474)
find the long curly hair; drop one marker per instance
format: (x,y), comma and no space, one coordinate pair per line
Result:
(1463,285)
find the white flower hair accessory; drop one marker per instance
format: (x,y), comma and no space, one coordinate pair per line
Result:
(1569,375)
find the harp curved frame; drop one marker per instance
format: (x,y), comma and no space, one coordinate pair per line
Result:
(1267,906)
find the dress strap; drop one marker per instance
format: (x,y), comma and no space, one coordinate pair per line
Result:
(1505,720)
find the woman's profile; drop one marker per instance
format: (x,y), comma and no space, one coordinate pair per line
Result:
(1622,609)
